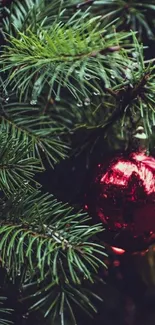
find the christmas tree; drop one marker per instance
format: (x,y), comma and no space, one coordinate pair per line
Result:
(77,93)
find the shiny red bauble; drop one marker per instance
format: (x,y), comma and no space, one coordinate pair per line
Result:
(122,196)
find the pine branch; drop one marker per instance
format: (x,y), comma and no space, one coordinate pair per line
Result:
(72,56)
(130,101)
(132,14)
(32,126)
(41,219)
(33,13)
(17,164)
(75,298)
(4,312)
(51,244)
(137,93)
(83,4)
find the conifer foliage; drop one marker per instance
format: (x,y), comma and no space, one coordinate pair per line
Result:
(65,66)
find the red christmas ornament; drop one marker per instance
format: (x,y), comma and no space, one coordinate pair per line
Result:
(122,196)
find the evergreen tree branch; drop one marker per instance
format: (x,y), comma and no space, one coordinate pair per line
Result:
(54,226)
(52,244)
(132,14)
(84,4)
(129,101)
(51,249)
(33,13)
(17,164)
(32,126)
(75,298)
(71,56)
(4,312)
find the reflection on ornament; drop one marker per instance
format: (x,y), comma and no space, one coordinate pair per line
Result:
(123,170)
(117,250)
(122,196)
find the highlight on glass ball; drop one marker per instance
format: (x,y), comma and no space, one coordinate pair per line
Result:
(122,196)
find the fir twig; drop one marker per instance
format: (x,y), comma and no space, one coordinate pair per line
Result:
(79,55)
(46,237)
